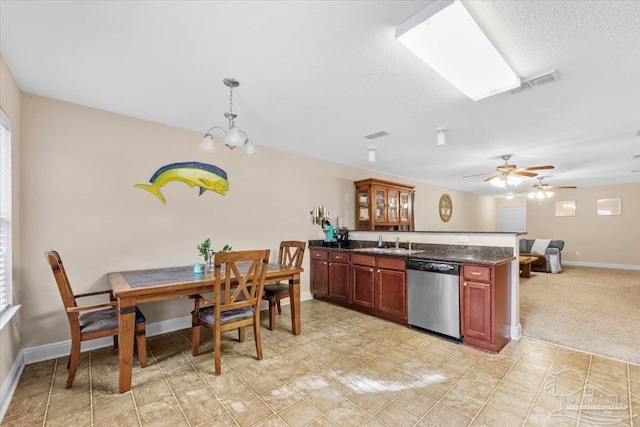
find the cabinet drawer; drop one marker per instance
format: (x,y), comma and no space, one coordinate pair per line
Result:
(323,255)
(474,272)
(391,263)
(339,257)
(367,260)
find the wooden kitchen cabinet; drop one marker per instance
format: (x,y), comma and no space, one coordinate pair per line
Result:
(339,275)
(319,274)
(330,274)
(383,205)
(484,305)
(391,287)
(380,283)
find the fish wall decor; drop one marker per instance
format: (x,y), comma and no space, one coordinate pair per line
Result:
(202,175)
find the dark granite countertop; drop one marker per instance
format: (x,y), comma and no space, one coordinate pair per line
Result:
(490,255)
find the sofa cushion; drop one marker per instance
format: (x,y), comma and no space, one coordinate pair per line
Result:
(539,246)
(559,244)
(525,246)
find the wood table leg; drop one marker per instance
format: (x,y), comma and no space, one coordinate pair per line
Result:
(126,331)
(526,270)
(294,301)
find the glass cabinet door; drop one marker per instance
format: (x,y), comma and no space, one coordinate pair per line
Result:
(381,205)
(404,207)
(363,205)
(393,205)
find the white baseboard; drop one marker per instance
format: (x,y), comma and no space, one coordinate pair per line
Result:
(54,350)
(602,265)
(10,383)
(516,331)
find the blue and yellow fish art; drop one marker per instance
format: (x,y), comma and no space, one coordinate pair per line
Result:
(203,175)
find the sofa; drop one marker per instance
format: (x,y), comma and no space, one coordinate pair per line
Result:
(552,259)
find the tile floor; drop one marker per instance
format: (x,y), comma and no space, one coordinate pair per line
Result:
(346,369)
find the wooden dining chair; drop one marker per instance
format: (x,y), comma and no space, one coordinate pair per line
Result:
(291,254)
(237,292)
(91,321)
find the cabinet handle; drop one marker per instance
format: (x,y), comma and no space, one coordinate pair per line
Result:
(371,269)
(325,263)
(338,257)
(329,263)
(464,284)
(378,271)
(476,273)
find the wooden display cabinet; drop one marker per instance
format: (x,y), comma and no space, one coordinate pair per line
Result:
(383,205)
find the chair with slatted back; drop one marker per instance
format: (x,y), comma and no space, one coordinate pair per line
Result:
(91,321)
(237,292)
(291,254)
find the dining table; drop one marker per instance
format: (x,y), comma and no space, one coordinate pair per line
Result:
(138,286)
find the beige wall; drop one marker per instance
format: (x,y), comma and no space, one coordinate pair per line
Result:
(80,165)
(10,103)
(599,239)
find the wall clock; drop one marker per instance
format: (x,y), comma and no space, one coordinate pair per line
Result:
(445,207)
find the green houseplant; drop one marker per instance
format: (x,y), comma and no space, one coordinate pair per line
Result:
(207,253)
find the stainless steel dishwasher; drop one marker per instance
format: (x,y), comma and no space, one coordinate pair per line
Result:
(433,296)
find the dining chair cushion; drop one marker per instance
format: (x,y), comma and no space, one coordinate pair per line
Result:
(276,289)
(206,314)
(101,320)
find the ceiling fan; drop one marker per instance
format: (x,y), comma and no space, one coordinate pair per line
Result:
(542,190)
(506,173)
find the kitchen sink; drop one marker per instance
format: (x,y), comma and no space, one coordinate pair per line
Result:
(390,251)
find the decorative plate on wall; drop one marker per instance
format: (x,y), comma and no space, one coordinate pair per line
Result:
(445,207)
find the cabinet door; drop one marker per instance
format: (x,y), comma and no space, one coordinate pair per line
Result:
(362,285)
(405,207)
(339,280)
(476,310)
(392,202)
(320,277)
(391,292)
(380,207)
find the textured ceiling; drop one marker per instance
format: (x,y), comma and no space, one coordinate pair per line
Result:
(316,76)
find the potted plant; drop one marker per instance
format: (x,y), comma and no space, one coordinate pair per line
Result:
(207,253)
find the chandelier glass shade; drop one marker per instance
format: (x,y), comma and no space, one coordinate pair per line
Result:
(540,194)
(233,137)
(502,181)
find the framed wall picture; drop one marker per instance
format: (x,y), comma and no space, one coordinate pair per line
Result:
(609,206)
(566,208)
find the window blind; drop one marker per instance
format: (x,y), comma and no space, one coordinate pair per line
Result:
(5,212)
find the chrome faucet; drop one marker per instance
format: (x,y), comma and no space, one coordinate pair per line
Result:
(409,244)
(380,240)
(397,242)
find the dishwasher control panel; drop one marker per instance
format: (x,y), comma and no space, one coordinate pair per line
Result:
(435,266)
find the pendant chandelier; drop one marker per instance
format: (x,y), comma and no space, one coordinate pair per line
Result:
(233,137)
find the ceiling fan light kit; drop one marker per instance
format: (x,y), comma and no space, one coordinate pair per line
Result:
(445,36)
(233,137)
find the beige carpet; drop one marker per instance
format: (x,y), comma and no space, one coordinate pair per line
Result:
(590,309)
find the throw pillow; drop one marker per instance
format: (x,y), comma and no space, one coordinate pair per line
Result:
(539,246)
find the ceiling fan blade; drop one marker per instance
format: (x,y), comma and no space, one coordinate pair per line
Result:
(537,168)
(559,187)
(477,174)
(524,173)
(492,176)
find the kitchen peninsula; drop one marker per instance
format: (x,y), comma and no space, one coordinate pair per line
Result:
(373,280)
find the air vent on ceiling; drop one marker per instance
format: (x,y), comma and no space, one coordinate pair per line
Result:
(378,134)
(636,157)
(635,171)
(536,81)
